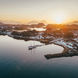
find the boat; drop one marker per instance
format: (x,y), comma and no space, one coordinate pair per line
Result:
(33,47)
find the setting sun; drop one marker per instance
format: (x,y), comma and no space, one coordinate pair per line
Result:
(59,18)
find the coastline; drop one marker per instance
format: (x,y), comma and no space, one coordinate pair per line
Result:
(70,45)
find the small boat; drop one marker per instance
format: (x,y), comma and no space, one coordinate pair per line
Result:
(32,47)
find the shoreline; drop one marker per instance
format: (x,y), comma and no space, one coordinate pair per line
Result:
(67,52)
(58,55)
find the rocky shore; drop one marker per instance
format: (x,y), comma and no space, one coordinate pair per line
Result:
(70,44)
(68,51)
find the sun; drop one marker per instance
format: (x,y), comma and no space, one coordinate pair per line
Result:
(59,18)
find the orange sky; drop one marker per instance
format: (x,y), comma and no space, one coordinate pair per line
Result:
(24,11)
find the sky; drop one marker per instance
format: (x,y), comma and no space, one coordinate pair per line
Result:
(24,11)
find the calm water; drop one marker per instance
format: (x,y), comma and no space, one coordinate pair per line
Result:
(16,61)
